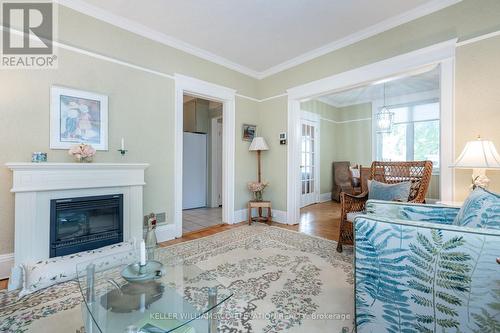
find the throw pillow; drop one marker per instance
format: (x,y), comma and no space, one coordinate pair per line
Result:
(480,210)
(45,273)
(388,192)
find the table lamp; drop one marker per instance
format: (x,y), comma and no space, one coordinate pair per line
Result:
(258,144)
(478,155)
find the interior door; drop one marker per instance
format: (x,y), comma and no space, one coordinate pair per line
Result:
(308,164)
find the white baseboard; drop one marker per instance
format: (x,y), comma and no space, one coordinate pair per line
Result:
(278,215)
(6,264)
(240,215)
(324,197)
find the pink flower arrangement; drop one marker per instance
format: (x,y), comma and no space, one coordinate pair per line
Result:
(82,152)
(257,188)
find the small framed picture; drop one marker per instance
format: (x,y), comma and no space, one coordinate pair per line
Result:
(249,132)
(78,116)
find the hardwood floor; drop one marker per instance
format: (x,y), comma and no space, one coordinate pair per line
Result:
(202,233)
(320,220)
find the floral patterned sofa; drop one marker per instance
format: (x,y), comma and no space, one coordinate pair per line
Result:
(416,271)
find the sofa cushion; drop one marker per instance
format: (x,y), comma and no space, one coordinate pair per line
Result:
(388,192)
(480,210)
(45,273)
(352,215)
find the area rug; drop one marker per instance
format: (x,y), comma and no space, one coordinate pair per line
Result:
(282,281)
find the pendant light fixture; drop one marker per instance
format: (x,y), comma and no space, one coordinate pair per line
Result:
(384,118)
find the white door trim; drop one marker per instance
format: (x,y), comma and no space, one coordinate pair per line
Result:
(214,125)
(442,54)
(315,118)
(192,86)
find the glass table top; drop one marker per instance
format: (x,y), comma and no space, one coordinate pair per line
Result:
(180,298)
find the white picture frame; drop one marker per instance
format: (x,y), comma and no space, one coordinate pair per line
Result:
(78,116)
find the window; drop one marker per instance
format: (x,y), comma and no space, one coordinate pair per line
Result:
(414,136)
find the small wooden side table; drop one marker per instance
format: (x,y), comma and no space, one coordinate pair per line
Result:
(259,205)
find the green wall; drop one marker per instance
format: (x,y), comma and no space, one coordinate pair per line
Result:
(355,131)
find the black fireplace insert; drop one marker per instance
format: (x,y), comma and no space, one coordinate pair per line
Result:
(85,223)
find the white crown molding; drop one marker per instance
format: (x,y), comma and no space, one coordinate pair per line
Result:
(371,31)
(479,38)
(426,94)
(139,29)
(345,121)
(157,36)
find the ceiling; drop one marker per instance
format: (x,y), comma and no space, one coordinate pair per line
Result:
(396,87)
(257,37)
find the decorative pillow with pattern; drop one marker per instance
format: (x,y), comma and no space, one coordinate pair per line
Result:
(45,273)
(388,192)
(480,210)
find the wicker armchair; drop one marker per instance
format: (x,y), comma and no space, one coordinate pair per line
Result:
(418,172)
(342,179)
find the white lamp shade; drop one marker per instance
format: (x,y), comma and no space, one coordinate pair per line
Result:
(258,143)
(478,154)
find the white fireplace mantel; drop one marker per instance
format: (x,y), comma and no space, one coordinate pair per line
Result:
(36,184)
(29,177)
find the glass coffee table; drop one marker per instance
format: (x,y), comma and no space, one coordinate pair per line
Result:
(182,298)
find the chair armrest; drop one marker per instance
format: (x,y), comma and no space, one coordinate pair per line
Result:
(412,212)
(353,203)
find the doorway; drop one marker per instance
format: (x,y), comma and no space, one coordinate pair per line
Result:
(226,96)
(202,163)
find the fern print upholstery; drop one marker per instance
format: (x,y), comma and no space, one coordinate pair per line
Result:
(424,275)
(412,212)
(480,210)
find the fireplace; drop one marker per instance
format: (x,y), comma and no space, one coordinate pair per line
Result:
(85,223)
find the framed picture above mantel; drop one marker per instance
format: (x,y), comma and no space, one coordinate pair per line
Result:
(78,116)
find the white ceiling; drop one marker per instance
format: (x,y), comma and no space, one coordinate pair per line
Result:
(257,37)
(397,87)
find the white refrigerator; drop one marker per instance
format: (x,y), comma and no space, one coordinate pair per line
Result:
(194,177)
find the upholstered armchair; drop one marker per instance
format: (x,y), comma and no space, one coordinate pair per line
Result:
(416,270)
(342,179)
(417,172)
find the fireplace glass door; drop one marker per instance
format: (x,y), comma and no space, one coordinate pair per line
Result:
(86,223)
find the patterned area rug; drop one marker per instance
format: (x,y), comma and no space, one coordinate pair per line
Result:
(283,281)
